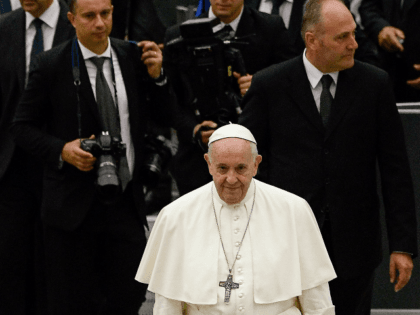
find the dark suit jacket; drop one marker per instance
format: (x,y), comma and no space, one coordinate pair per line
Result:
(13,65)
(376,14)
(366,52)
(335,169)
(46,119)
(268,44)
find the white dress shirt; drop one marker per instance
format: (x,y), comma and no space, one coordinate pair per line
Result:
(15,4)
(315,76)
(50,19)
(233,24)
(285,9)
(121,92)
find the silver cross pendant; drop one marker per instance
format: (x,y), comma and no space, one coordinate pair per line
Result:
(228,285)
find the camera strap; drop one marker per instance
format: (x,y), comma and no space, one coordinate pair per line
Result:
(75,62)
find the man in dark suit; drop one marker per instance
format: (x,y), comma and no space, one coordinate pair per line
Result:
(394,26)
(292,13)
(323,120)
(20,174)
(93,244)
(268,43)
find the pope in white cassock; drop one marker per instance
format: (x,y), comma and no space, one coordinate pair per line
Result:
(237,245)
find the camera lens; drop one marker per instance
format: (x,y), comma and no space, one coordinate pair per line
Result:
(108,183)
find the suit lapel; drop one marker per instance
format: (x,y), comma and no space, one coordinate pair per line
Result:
(246,24)
(300,91)
(344,98)
(128,72)
(86,93)
(407,6)
(19,49)
(64,29)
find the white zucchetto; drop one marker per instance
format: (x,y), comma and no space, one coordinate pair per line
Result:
(232,131)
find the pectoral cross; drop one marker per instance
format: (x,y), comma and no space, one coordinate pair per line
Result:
(228,285)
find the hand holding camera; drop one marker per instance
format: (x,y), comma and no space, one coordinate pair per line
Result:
(74,155)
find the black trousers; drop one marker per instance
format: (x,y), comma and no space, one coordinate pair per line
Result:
(22,283)
(350,296)
(91,270)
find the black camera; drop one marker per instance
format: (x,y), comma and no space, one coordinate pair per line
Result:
(205,62)
(157,156)
(108,151)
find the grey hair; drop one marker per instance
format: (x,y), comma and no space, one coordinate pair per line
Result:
(254,150)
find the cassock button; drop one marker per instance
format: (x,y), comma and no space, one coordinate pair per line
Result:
(239,257)
(241,295)
(240,270)
(241,282)
(237,244)
(241,308)
(236,218)
(236,231)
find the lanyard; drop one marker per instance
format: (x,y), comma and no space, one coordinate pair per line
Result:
(75,62)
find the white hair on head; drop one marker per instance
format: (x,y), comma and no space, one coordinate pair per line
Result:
(254,150)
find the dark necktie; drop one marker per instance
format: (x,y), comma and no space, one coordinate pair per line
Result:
(225,33)
(38,43)
(109,115)
(276,6)
(104,100)
(5,6)
(326,99)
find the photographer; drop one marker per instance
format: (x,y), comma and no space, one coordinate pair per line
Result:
(394,27)
(262,40)
(93,205)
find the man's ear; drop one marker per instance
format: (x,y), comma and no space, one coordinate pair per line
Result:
(70,16)
(207,158)
(258,160)
(310,40)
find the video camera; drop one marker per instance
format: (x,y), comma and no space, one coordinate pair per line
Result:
(206,62)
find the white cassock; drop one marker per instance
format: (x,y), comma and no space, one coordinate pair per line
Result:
(282,256)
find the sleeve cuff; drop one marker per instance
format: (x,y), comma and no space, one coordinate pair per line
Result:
(161,80)
(60,163)
(325,311)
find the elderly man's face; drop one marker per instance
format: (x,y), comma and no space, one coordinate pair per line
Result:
(337,45)
(35,7)
(227,10)
(232,167)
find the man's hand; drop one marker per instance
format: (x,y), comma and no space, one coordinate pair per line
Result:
(404,264)
(205,135)
(416,82)
(151,57)
(244,82)
(74,155)
(389,39)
